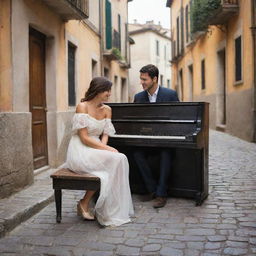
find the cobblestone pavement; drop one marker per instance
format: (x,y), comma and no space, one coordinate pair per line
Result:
(224,225)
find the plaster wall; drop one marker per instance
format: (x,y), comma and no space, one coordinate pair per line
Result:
(143,52)
(118,93)
(6,89)
(139,57)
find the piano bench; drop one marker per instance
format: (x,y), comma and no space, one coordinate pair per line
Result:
(66,179)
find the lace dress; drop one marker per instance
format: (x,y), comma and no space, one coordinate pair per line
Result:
(114,205)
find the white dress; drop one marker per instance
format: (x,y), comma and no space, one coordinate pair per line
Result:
(114,205)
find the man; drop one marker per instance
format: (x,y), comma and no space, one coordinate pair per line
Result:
(154,93)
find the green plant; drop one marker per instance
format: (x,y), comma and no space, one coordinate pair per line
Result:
(201,11)
(117,53)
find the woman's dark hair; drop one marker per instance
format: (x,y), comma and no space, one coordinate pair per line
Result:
(97,85)
(152,70)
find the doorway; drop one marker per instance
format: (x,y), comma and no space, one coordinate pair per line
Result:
(190,82)
(37,97)
(221,89)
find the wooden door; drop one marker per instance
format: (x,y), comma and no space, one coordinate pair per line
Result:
(37,97)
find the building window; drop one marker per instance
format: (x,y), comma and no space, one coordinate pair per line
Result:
(165,53)
(94,68)
(161,79)
(238,59)
(157,48)
(190,81)
(71,75)
(178,35)
(189,20)
(181,84)
(106,72)
(187,25)
(182,29)
(203,74)
(119,30)
(168,83)
(116,98)
(123,89)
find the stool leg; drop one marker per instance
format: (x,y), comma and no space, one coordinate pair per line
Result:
(58,195)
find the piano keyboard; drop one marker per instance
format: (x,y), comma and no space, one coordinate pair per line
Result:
(128,136)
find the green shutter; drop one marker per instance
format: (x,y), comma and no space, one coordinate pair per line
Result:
(108,25)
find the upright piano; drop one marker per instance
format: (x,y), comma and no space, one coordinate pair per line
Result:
(183,127)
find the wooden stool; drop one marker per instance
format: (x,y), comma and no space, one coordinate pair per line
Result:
(66,179)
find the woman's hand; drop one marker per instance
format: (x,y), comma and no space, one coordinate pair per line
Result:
(111,149)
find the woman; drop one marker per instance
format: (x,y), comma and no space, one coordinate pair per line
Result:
(88,152)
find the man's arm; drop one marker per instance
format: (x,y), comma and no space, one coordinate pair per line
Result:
(135,98)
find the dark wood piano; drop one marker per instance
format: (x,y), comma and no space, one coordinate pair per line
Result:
(181,126)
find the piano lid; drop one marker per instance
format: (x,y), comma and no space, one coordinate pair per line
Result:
(176,119)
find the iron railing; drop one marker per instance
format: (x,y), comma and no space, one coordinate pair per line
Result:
(80,5)
(229,2)
(116,40)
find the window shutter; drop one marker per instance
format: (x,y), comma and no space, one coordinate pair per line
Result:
(108,24)
(238,59)
(71,75)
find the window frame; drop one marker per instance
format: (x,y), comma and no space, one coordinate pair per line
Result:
(203,75)
(238,82)
(71,104)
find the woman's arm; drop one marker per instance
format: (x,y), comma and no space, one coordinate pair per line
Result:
(104,137)
(90,142)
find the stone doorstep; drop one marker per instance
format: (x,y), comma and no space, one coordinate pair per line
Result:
(30,200)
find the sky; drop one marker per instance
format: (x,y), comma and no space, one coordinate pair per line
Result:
(145,10)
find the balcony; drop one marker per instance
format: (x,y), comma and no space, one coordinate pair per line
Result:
(70,9)
(174,52)
(114,53)
(226,10)
(124,64)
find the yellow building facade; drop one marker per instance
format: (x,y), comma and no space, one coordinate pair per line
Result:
(49,52)
(217,64)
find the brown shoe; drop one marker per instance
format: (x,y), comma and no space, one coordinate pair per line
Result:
(159,202)
(147,197)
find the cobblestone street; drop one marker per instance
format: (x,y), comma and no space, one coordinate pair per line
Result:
(224,225)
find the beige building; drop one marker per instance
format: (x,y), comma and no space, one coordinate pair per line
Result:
(152,45)
(214,58)
(49,52)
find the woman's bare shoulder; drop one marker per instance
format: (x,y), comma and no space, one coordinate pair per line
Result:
(82,107)
(108,111)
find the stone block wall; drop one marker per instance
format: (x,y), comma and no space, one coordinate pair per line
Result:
(16,157)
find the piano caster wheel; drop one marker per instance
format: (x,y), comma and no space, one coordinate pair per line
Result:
(199,199)
(199,203)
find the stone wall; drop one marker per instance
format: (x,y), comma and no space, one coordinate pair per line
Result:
(239,113)
(212,108)
(16,157)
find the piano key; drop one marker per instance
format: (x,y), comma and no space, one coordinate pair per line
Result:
(128,136)
(154,121)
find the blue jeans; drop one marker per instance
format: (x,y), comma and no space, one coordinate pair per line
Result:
(158,187)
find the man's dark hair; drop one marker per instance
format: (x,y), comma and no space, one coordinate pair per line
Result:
(152,70)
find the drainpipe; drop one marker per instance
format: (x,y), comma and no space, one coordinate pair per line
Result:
(253,28)
(101,16)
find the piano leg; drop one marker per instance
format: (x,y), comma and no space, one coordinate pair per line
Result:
(200,197)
